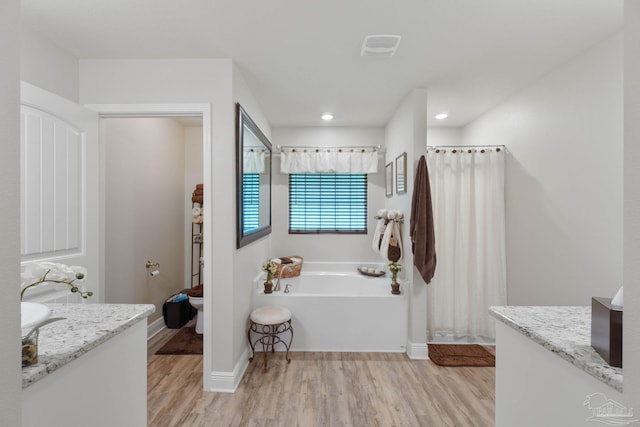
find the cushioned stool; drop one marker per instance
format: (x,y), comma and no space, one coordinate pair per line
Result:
(268,323)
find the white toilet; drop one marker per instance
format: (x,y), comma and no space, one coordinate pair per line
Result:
(196,299)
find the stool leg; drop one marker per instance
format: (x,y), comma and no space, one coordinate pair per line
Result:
(264,355)
(250,343)
(286,356)
(265,342)
(273,338)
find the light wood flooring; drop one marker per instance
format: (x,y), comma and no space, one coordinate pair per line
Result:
(321,389)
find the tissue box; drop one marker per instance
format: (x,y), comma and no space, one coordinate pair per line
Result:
(606,330)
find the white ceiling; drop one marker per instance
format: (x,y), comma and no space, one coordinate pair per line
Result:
(302,58)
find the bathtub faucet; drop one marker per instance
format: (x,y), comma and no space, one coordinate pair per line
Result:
(284,267)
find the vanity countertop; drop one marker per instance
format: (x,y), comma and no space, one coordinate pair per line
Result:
(565,331)
(85,327)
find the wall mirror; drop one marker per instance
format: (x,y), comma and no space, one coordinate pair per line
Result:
(253,180)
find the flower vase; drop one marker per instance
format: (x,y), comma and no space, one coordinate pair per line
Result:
(395,287)
(268,287)
(30,350)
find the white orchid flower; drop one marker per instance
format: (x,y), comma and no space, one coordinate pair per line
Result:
(37,273)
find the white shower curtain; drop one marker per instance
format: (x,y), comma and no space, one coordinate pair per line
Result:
(467,188)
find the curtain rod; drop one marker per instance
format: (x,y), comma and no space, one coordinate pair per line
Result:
(465,147)
(377,148)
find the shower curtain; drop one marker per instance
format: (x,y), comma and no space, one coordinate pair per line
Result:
(467,186)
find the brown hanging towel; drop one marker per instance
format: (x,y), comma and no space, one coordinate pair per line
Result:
(423,242)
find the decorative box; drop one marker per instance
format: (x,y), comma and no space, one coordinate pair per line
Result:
(606,330)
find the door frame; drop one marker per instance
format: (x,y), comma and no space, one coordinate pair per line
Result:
(164,110)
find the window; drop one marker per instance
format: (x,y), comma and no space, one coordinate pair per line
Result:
(327,203)
(250,202)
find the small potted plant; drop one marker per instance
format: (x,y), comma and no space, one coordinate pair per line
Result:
(270,268)
(394,268)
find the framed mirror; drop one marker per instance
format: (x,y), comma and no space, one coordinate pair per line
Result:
(253,180)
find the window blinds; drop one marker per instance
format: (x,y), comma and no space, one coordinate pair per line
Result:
(327,203)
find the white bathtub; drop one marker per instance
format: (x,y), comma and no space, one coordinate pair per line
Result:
(335,308)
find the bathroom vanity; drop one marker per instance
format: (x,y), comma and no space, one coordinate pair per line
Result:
(92,368)
(547,373)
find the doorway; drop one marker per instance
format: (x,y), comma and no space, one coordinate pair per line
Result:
(175,110)
(151,168)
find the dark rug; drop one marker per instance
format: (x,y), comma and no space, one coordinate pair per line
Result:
(460,355)
(186,341)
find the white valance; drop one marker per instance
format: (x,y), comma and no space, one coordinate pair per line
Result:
(334,160)
(253,161)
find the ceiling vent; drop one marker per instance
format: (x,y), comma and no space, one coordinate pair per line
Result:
(383,45)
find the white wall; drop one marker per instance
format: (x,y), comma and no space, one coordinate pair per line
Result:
(444,136)
(227,271)
(563,180)
(190,81)
(247,261)
(11,373)
(325,247)
(631,205)
(407,132)
(47,66)
(144,212)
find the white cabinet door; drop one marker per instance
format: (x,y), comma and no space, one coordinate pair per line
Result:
(59,183)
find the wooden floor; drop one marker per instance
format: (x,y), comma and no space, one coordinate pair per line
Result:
(322,389)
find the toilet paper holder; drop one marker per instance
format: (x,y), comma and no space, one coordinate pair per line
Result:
(155,266)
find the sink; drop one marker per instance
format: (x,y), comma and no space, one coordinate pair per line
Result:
(33,313)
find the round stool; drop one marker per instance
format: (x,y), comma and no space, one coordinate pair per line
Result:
(268,323)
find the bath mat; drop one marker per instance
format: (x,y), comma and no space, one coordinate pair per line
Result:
(460,355)
(186,341)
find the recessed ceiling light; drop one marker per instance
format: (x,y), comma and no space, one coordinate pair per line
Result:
(441,116)
(327,116)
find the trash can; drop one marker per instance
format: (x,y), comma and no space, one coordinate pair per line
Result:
(177,313)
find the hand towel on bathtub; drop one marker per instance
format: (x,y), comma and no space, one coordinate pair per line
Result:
(384,240)
(421,230)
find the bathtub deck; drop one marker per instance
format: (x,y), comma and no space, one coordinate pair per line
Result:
(324,389)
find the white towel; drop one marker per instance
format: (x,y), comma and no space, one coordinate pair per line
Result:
(384,245)
(375,244)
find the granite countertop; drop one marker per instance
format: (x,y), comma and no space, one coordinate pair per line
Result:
(565,331)
(85,327)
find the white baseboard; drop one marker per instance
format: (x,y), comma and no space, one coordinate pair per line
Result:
(227,382)
(155,327)
(461,340)
(417,351)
